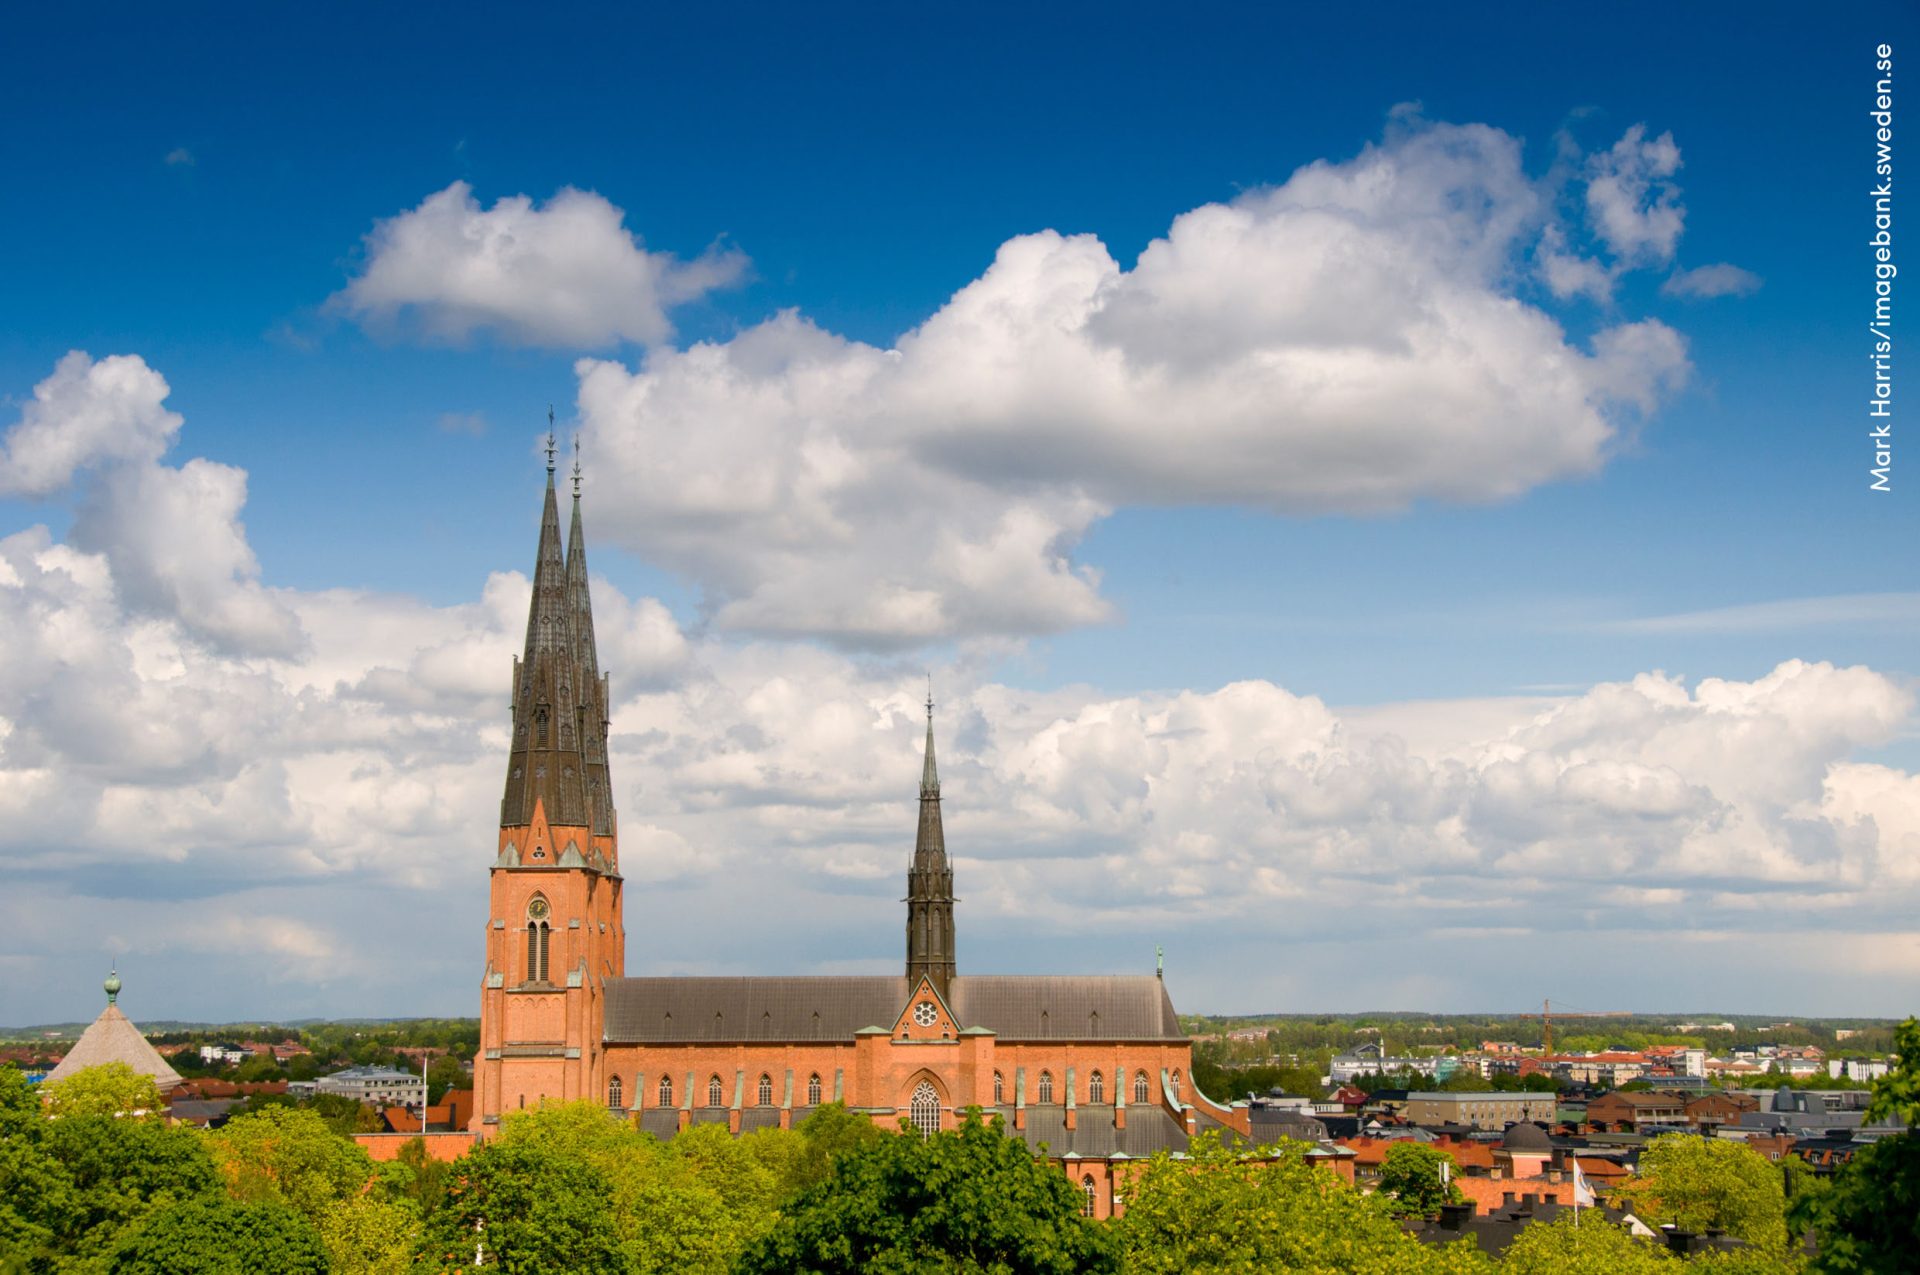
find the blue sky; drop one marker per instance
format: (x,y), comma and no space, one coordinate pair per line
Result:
(202,190)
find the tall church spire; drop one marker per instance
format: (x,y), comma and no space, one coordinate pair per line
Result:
(591,712)
(559,700)
(930,884)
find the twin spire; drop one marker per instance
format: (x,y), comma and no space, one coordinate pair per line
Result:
(558,758)
(930,953)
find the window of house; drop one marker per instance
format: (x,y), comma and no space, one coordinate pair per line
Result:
(613,1094)
(1176,1082)
(925,1110)
(999,1089)
(1096,1088)
(813,1091)
(1046,1086)
(714,1093)
(1089,1193)
(765,1093)
(666,1092)
(1140,1087)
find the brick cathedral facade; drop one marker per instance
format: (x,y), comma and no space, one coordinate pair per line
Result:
(1095,1068)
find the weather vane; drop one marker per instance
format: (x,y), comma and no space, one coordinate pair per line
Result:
(929,696)
(576,466)
(550,446)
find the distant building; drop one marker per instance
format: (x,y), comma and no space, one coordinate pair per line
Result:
(1369,1058)
(112,1038)
(1479,1110)
(375,1086)
(1862,1069)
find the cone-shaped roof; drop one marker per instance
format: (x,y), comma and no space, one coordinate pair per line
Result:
(112,1038)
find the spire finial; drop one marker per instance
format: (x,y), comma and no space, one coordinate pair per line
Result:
(550,445)
(1159,961)
(929,696)
(576,466)
(112,985)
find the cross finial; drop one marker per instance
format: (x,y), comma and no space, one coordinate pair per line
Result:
(576,466)
(929,696)
(550,445)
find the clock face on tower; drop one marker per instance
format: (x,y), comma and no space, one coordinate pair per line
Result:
(925,1014)
(537,909)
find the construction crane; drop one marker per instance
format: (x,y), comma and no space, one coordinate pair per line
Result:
(1546,1017)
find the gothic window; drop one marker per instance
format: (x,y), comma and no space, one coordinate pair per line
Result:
(1140,1086)
(714,1094)
(765,1092)
(925,1110)
(925,1015)
(1090,1193)
(540,722)
(539,935)
(999,1089)
(666,1092)
(1046,1086)
(613,1094)
(1176,1082)
(1096,1088)
(813,1091)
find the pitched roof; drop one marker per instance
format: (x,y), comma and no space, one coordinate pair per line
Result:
(1043,1007)
(112,1038)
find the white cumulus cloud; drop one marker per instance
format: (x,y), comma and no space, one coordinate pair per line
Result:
(1347,341)
(565,273)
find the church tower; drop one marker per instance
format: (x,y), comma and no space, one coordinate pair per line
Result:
(930,886)
(554,927)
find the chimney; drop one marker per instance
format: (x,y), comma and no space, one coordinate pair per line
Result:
(1528,1200)
(1454,1217)
(1506,1199)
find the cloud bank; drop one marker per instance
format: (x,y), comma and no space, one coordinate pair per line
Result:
(1355,340)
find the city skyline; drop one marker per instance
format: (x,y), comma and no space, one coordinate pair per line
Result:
(1366,518)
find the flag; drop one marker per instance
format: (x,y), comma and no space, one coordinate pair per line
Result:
(1582,1193)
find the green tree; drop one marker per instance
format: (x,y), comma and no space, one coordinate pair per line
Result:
(1868,1219)
(19,1104)
(1220,1211)
(446,1073)
(107,1090)
(283,1155)
(1695,1183)
(521,1208)
(973,1199)
(1593,1247)
(1411,1183)
(215,1236)
(117,1172)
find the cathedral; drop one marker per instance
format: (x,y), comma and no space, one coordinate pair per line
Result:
(1095,1069)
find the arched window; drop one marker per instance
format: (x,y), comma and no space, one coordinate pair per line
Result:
(613,1094)
(1140,1086)
(1096,1088)
(999,1089)
(715,1095)
(1046,1086)
(813,1091)
(539,935)
(1090,1193)
(666,1092)
(926,1110)
(1176,1082)
(765,1093)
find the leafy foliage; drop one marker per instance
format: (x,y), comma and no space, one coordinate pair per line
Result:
(216,1236)
(520,1208)
(107,1090)
(1868,1218)
(1696,1183)
(1221,1211)
(972,1199)
(1410,1180)
(1592,1247)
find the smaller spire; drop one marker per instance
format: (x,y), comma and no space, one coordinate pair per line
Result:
(550,444)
